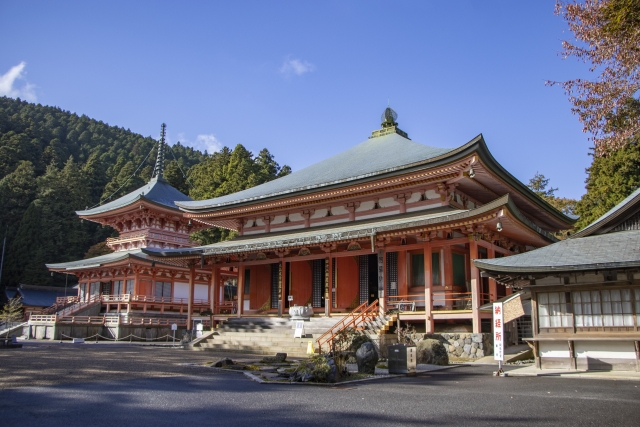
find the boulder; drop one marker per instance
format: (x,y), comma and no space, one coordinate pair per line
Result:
(223,362)
(367,358)
(278,358)
(432,352)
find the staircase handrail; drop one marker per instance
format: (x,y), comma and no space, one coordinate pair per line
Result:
(353,320)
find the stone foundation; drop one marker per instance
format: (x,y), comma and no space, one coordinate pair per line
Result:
(468,345)
(462,345)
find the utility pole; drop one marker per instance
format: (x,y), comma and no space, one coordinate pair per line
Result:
(4,243)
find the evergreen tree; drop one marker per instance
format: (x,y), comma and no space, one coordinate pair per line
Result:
(611,178)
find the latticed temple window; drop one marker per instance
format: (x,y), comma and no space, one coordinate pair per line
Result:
(318,283)
(554,309)
(129,289)
(417,269)
(363,266)
(275,281)
(392,273)
(118,287)
(163,289)
(607,307)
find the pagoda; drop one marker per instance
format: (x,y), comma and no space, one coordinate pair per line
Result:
(148,216)
(126,286)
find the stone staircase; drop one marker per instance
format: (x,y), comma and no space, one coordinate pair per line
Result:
(263,335)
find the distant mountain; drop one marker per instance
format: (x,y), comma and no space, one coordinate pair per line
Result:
(53,162)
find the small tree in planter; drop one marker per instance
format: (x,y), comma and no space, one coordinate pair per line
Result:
(11,312)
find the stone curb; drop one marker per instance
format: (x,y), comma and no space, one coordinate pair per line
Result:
(587,376)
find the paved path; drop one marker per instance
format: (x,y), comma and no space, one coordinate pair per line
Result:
(466,395)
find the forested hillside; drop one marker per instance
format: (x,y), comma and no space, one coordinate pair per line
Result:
(53,162)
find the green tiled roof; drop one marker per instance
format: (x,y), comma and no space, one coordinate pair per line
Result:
(369,158)
(156,191)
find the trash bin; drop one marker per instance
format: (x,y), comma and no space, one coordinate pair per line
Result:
(401,359)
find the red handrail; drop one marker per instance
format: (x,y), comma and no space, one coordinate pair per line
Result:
(353,319)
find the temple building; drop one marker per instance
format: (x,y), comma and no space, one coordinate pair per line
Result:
(585,293)
(388,221)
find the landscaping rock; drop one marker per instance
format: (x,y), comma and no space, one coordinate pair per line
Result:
(432,352)
(278,358)
(223,362)
(367,358)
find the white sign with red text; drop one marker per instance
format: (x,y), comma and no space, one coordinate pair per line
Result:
(498,331)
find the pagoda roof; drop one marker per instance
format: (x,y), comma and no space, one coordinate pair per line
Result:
(372,157)
(355,230)
(99,261)
(157,191)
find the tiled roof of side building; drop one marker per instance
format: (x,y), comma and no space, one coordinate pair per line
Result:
(371,157)
(157,190)
(42,296)
(612,217)
(605,251)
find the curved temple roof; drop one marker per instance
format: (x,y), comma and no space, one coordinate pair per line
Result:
(157,190)
(386,155)
(369,158)
(99,261)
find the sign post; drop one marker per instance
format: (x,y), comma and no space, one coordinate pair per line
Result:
(174,328)
(299,332)
(498,336)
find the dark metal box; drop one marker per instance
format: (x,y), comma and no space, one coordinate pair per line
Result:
(401,359)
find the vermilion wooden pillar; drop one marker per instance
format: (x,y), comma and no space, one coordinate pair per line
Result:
(283,284)
(328,302)
(192,279)
(428,288)
(475,287)
(240,293)
(493,290)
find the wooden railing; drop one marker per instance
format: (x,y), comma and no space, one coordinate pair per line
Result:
(361,314)
(117,320)
(226,307)
(441,300)
(404,303)
(49,318)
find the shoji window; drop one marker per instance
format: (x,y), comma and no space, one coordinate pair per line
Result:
(554,309)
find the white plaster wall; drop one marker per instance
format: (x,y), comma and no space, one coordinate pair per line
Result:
(181,290)
(554,349)
(605,349)
(339,210)
(319,213)
(387,202)
(432,194)
(415,197)
(201,292)
(296,217)
(366,206)
(279,219)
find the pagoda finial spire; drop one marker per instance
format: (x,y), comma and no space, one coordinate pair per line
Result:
(159,169)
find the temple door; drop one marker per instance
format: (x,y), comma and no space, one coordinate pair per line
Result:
(301,286)
(347,285)
(260,287)
(145,287)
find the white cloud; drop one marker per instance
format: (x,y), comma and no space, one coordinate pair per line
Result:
(9,88)
(208,142)
(296,66)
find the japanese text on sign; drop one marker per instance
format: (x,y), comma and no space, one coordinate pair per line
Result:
(498,332)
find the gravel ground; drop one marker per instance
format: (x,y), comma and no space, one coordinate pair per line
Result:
(47,364)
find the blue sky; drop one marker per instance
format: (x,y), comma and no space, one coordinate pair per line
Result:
(308,79)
